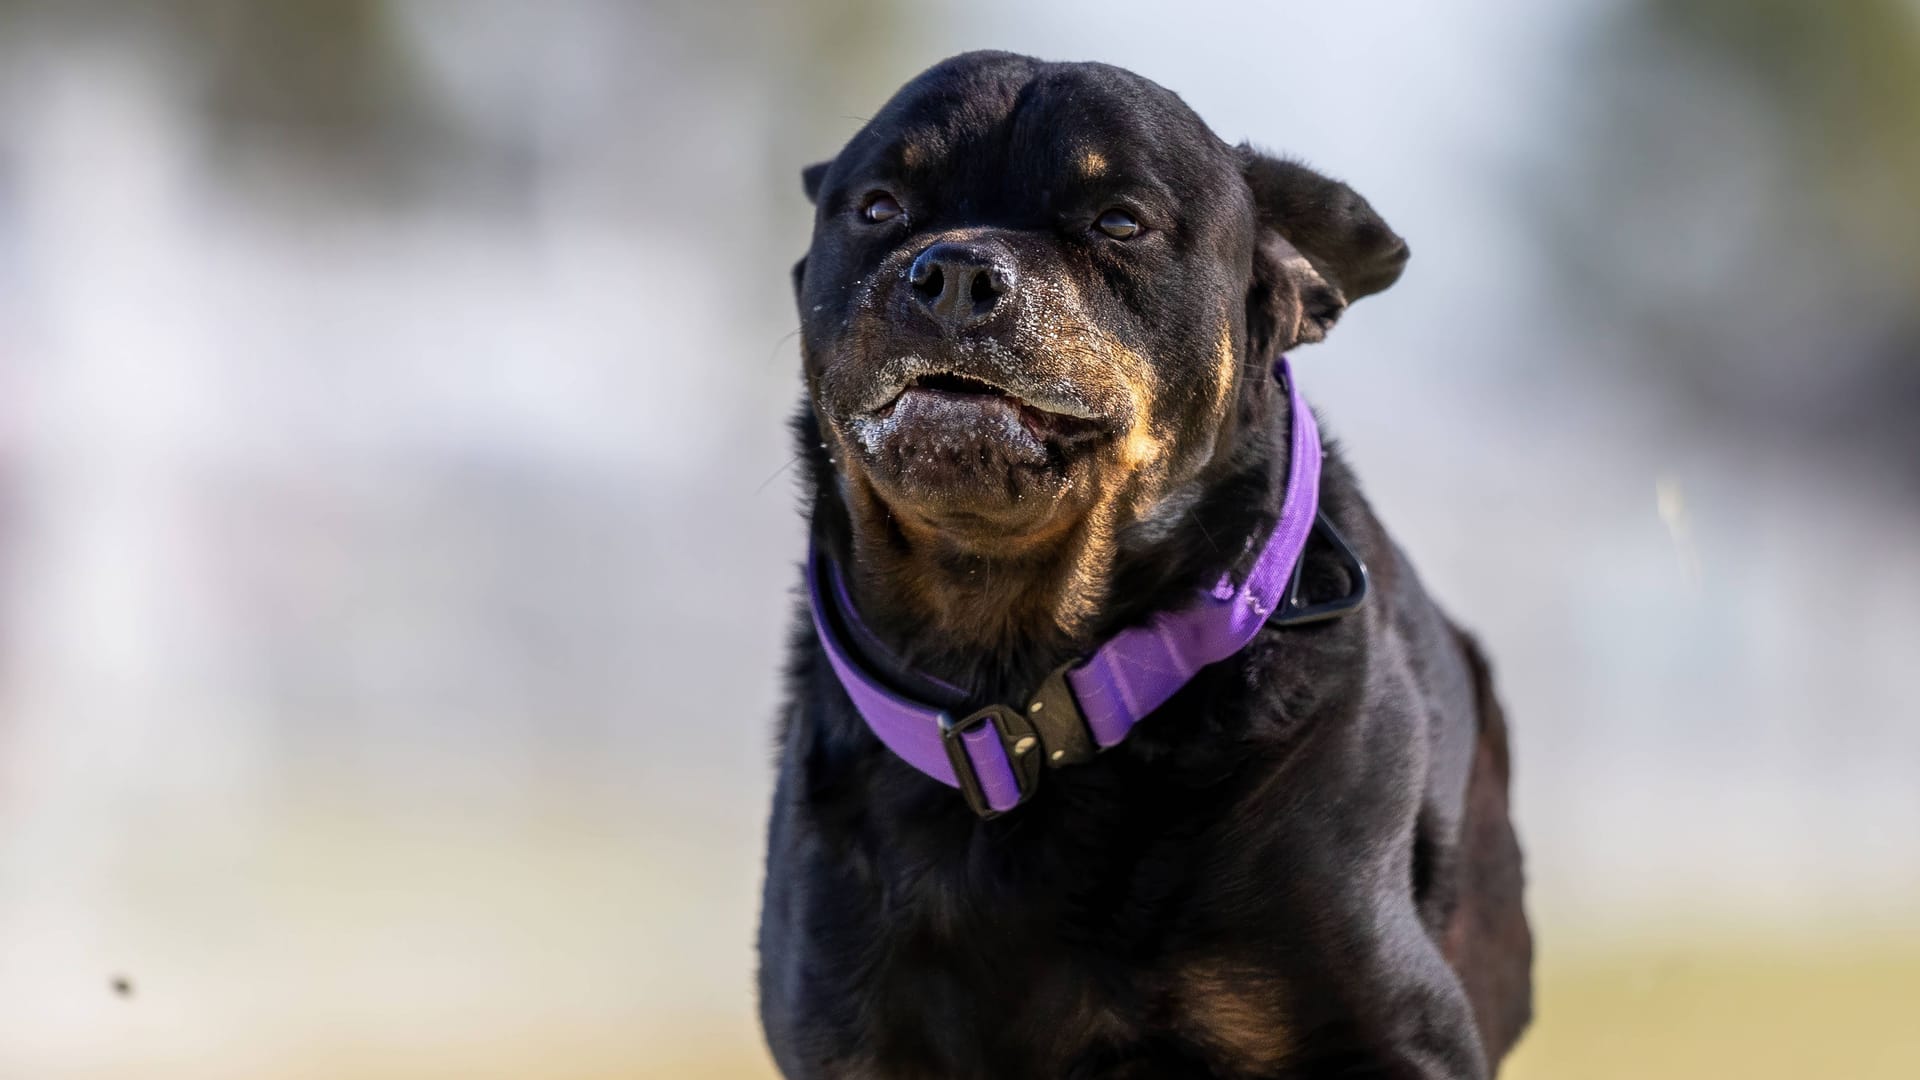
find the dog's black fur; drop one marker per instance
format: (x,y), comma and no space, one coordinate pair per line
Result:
(1301,865)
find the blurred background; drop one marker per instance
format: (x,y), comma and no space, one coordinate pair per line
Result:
(396,528)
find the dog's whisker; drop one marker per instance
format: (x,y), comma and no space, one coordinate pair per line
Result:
(1203,531)
(784,338)
(776,474)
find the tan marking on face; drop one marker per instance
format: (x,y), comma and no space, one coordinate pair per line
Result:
(1226,363)
(913,154)
(1141,446)
(1092,164)
(1137,456)
(1240,1015)
(1087,571)
(1226,367)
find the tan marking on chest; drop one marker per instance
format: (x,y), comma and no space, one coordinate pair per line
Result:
(1239,1015)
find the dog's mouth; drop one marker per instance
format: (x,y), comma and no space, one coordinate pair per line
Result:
(1044,422)
(947,382)
(975,436)
(946,431)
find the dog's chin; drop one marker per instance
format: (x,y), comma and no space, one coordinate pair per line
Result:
(973,462)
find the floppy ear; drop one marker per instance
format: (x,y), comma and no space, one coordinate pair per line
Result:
(810,178)
(1288,303)
(1305,218)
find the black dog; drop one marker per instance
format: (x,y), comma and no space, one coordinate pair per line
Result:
(1041,313)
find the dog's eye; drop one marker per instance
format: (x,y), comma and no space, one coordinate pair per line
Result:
(1118,224)
(881,207)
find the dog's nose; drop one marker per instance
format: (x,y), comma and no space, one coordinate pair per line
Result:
(958,284)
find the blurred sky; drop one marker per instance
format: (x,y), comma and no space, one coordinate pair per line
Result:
(396,540)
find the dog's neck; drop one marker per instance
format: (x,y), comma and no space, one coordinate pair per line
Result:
(991,626)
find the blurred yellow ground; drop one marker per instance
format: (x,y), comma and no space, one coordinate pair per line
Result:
(323,941)
(1699,1013)
(1728,1009)
(1725,1009)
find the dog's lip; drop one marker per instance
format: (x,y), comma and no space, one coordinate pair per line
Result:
(942,405)
(1042,424)
(958,382)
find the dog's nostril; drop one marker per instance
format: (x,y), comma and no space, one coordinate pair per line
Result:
(928,280)
(985,287)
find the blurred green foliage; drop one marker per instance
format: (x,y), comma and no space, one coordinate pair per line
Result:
(1736,207)
(1841,83)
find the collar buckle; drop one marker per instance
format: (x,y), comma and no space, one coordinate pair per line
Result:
(1055,714)
(1017,740)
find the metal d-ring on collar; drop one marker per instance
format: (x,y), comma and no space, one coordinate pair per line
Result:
(994,755)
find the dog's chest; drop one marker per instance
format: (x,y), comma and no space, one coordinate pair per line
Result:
(1053,1016)
(1044,988)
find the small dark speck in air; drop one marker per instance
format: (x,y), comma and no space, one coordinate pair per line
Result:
(122,986)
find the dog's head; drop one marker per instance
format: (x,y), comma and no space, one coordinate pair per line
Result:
(1041,295)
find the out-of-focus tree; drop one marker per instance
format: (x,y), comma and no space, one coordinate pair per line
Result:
(326,86)
(350,88)
(1743,213)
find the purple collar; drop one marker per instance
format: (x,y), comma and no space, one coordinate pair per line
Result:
(994,755)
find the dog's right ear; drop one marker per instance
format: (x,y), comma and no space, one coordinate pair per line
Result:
(1318,247)
(1326,221)
(810,178)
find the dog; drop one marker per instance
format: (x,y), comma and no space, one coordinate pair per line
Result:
(1120,738)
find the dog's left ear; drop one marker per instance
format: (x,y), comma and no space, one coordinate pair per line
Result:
(810,178)
(1320,247)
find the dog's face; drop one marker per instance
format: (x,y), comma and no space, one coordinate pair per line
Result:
(1039,294)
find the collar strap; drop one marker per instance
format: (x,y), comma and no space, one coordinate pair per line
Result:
(994,755)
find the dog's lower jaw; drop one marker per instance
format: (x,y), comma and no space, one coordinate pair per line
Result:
(987,612)
(984,592)
(977,483)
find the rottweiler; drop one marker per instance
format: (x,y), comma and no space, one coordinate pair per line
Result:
(1120,738)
